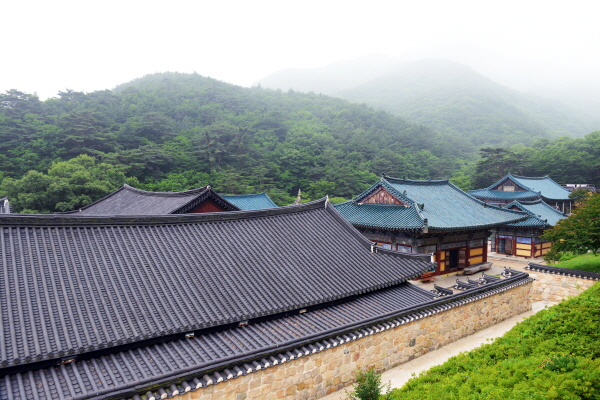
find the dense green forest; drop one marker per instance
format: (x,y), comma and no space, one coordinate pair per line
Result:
(173,131)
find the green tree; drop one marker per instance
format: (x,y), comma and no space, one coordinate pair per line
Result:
(579,233)
(68,185)
(494,164)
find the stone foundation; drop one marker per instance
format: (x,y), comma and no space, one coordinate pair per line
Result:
(557,288)
(317,375)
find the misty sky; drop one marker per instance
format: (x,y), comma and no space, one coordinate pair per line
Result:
(49,46)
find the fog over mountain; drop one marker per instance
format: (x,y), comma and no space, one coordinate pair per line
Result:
(450,96)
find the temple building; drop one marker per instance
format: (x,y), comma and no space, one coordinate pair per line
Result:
(523,238)
(434,216)
(516,188)
(156,306)
(128,200)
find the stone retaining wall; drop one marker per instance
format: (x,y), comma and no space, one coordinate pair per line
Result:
(557,288)
(317,375)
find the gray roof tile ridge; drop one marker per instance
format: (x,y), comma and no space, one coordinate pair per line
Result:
(353,331)
(166,194)
(168,219)
(418,181)
(93,203)
(562,271)
(204,194)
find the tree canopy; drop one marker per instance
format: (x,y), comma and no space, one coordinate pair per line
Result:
(174,131)
(579,233)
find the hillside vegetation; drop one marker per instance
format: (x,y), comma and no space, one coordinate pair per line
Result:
(554,354)
(172,131)
(447,96)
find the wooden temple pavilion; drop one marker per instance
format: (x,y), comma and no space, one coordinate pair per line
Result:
(522,239)
(521,188)
(434,216)
(128,200)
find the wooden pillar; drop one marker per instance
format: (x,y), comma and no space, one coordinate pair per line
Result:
(485,251)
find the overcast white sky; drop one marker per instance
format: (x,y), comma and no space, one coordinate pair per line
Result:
(49,46)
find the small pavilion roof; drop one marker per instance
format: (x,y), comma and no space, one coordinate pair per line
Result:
(534,188)
(433,204)
(255,201)
(128,200)
(541,214)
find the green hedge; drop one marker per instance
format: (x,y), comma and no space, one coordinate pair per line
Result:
(551,355)
(587,262)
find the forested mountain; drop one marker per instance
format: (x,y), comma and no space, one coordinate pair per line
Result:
(174,131)
(450,98)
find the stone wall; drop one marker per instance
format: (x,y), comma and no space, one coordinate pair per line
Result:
(556,288)
(330,370)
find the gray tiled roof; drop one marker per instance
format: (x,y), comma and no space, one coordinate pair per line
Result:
(146,364)
(131,201)
(77,285)
(166,369)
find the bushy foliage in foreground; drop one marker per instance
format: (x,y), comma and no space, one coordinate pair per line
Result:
(555,354)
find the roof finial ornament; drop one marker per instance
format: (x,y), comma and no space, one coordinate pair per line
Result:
(299,198)
(208,186)
(382,175)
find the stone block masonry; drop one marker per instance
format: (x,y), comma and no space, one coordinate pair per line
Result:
(556,288)
(322,373)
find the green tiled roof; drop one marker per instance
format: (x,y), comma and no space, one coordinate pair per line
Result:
(382,216)
(543,187)
(487,194)
(437,205)
(542,214)
(248,202)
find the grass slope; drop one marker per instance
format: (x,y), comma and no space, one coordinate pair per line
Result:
(586,262)
(554,354)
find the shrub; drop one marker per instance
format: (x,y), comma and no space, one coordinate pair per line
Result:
(554,354)
(369,386)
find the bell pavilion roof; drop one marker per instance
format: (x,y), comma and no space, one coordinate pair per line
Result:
(250,201)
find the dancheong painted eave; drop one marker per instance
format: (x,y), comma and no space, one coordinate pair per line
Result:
(435,205)
(75,284)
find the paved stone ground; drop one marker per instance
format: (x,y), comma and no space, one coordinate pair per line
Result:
(400,375)
(499,262)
